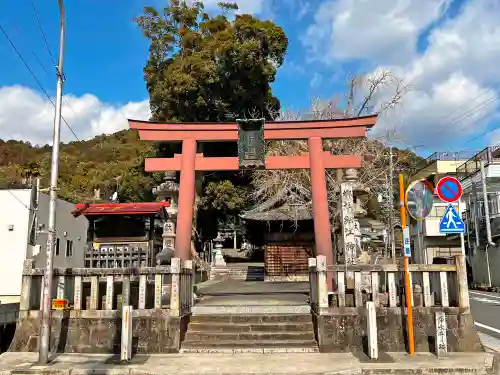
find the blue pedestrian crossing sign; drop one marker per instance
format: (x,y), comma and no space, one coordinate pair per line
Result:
(451,222)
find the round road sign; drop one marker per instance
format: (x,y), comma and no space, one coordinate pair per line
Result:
(449,189)
(419,199)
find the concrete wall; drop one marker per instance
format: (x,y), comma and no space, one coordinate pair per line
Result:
(68,228)
(345,329)
(479,262)
(154,331)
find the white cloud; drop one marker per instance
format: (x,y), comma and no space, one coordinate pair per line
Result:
(456,72)
(26,114)
(360,29)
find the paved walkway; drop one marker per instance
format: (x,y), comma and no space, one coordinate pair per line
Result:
(236,293)
(249,364)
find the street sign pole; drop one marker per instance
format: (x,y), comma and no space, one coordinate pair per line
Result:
(411,338)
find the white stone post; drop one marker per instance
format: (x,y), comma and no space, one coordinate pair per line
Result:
(443,278)
(126,344)
(462,284)
(77,298)
(25,293)
(341,288)
(393,299)
(375,288)
(60,287)
(426,289)
(441,336)
(109,292)
(372,330)
(322,287)
(94,292)
(348,229)
(126,290)
(142,292)
(27,286)
(175,268)
(158,290)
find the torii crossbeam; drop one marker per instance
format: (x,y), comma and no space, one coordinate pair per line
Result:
(317,160)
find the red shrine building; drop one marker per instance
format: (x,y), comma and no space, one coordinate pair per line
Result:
(123,234)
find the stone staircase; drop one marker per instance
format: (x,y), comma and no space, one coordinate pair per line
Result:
(253,333)
(238,271)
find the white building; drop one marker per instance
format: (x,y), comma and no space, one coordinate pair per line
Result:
(23,235)
(483,250)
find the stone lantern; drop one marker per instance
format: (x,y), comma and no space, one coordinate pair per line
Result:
(168,191)
(219,258)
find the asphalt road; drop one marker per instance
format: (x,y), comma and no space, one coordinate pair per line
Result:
(485,309)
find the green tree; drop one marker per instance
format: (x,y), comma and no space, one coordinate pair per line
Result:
(205,68)
(210,68)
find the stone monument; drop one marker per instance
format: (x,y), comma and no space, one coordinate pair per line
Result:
(169,191)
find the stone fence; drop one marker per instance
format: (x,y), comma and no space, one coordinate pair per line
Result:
(161,297)
(435,289)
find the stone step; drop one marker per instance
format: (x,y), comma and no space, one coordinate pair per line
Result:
(249,344)
(252,327)
(263,350)
(251,310)
(238,268)
(235,274)
(251,319)
(261,337)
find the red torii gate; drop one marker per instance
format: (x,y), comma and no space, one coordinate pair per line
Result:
(316,160)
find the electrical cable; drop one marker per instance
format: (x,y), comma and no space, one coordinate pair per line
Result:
(35,77)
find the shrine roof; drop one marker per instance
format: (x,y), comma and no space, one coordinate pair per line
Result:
(143,208)
(290,203)
(285,212)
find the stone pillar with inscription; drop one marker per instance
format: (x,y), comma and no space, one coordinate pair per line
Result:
(348,224)
(169,191)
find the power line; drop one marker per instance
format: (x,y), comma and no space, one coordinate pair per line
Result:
(34,77)
(19,200)
(43,33)
(486,131)
(44,69)
(466,114)
(34,54)
(469,114)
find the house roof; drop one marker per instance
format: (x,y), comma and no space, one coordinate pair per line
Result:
(144,208)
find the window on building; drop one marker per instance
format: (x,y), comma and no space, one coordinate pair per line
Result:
(69,248)
(57,246)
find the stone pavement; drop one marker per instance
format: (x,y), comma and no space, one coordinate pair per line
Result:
(251,364)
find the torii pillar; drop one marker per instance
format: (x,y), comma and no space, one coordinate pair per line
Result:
(317,160)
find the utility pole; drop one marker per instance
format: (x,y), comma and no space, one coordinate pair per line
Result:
(44,347)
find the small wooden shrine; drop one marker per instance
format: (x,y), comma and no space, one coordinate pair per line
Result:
(283,227)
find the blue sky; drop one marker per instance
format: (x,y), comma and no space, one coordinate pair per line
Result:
(446,50)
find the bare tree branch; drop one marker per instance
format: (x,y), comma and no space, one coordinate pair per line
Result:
(373,174)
